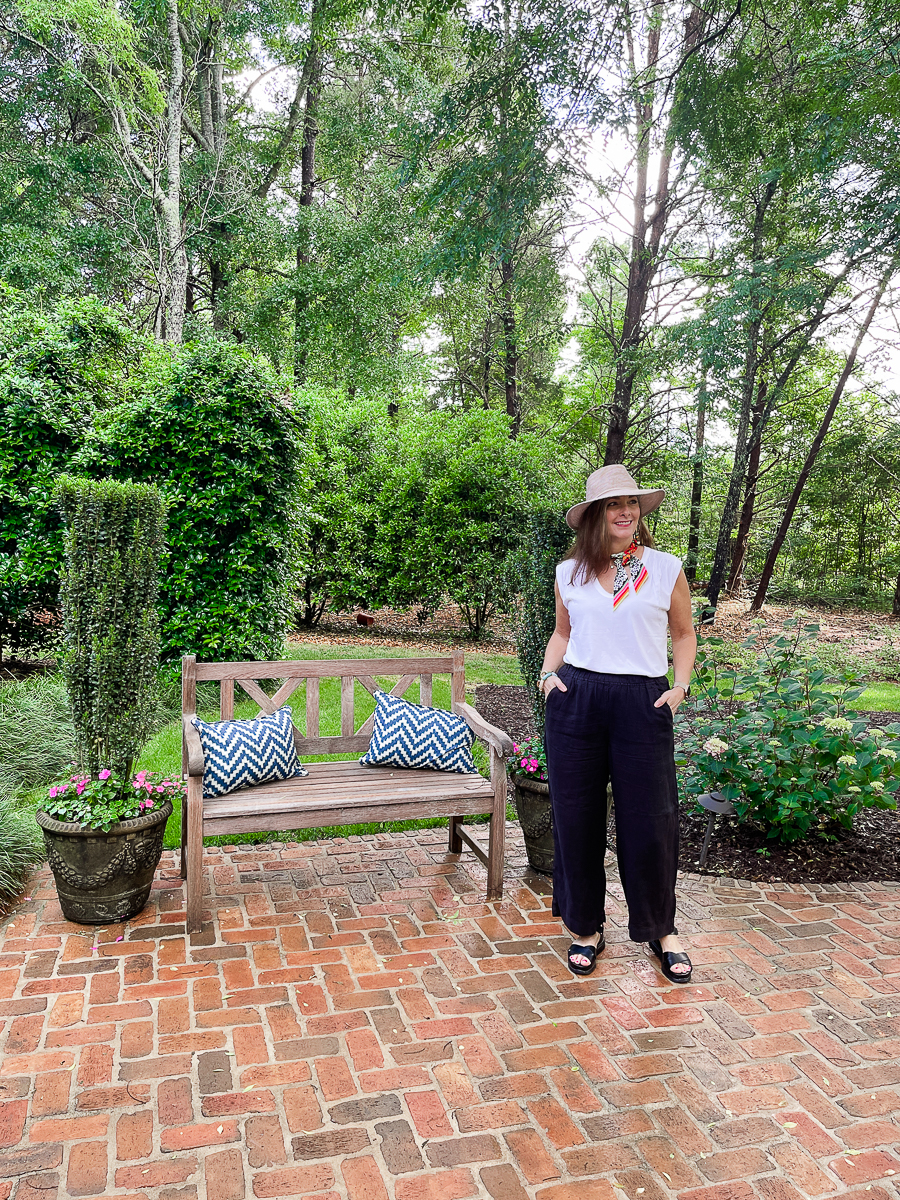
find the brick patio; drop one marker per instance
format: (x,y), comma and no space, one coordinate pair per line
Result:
(353,1024)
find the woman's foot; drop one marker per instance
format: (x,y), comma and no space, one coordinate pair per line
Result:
(583,964)
(674,962)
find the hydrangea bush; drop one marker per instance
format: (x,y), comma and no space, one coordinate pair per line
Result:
(99,801)
(781,741)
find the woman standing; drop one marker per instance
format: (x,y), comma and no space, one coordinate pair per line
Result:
(609,718)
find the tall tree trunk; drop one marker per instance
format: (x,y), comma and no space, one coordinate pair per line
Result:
(510,346)
(690,563)
(895,610)
(722,556)
(816,446)
(646,232)
(304,236)
(739,557)
(170,204)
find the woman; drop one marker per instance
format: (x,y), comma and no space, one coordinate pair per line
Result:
(609,718)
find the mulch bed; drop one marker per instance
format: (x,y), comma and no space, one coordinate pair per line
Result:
(871,852)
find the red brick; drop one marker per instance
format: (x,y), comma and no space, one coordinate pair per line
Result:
(575,1093)
(365,1050)
(69,1129)
(761,1074)
(634,1095)
(86,1175)
(623,1012)
(113,1097)
(175,1102)
(265,1141)
(802,1171)
(594,1160)
(12,1121)
(24,1034)
(869,1134)
(600,1190)
(156,1174)
(174,1015)
(823,1075)
(134,1135)
(95,1066)
(455,1084)
(249,1045)
(393,1079)
(362,1177)
(535,1058)
(555,1122)
(437,1185)
(335,1079)
(137,1039)
(866,1167)
(664,1158)
(530,1154)
(293,1181)
(224,1175)
(66,1011)
(734,1164)
(499,1115)
(276,1074)
(817,1105)
(232,1104)
(877,1104)
(479,1057)
(561,1031)
(687,1136)
(51,1093)
(194,1137)
(302,1109)
(429,1115)
(810,1135)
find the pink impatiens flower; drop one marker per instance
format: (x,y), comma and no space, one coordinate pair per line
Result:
(104,774)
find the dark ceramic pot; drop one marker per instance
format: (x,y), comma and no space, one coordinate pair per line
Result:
(102,877)
(536,818)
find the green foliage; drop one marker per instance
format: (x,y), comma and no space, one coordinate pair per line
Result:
(529,760)
(214,432)
(100,803)
(547,540)
(774,739)
(37,737)
(21,848)
(453,511)
(55,372)
(114,538)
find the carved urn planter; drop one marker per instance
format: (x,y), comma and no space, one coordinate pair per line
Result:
(536,818)
(102,878)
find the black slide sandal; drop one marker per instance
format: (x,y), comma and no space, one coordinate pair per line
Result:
(667,958)
(590,952)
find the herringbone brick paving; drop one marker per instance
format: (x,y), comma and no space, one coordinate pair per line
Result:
(353,1023)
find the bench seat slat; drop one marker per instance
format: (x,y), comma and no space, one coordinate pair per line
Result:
(322,669)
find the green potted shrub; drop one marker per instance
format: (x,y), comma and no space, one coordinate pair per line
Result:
(547,539)
(103,825)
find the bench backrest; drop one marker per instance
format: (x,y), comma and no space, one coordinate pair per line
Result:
(296,672)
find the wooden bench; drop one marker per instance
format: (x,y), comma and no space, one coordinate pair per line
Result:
(337,793)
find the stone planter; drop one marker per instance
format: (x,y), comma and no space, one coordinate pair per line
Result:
(102,877)
(536,819)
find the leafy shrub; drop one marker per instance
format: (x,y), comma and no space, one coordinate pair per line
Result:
(779,741)
(213,432)
(37,737)
(56,370)
(21,848)
(114,537)
(457,495)
(547,540)
(529,760)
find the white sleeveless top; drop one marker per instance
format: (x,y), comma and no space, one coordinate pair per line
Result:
(627,640)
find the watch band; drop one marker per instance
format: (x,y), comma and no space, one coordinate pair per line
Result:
(685,687)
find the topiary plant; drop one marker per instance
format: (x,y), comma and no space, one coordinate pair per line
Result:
(114,539)
(547,540)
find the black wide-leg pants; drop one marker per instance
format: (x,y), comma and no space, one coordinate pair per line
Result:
(605,728)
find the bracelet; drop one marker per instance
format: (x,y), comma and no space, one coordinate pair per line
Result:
(546,675)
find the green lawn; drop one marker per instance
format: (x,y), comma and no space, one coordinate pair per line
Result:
(163,752)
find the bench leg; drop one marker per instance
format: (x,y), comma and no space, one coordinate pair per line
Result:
(455,846)
(497,836)
(194,855)
(184,809)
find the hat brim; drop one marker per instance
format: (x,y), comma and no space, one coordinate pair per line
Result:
(650,499)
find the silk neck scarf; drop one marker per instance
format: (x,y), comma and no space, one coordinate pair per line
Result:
(627,563)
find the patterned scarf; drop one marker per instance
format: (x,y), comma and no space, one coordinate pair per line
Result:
(636,569)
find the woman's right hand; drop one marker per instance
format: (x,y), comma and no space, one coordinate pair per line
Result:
(551,682)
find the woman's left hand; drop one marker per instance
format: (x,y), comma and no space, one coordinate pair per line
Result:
(674,697)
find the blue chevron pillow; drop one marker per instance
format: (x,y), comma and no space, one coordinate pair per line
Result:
(409,735)
(237,754)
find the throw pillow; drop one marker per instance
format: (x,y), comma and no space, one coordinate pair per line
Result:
(237,754)
(409,735)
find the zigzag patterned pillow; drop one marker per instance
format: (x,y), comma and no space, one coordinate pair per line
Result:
(409,735)
(237,754)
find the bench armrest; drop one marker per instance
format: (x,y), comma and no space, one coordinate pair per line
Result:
(193,745)
(500,741)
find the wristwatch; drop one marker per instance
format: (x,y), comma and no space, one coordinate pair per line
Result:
(685,687)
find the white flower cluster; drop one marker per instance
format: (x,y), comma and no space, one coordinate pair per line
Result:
(848,760)
(885,752)
(715,746)
(838,724)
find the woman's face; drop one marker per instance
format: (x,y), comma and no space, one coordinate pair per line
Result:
(622,516)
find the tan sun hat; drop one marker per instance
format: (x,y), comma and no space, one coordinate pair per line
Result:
(614,481)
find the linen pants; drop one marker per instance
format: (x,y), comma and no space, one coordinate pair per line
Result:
(605,728)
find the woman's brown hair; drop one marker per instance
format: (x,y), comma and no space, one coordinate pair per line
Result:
(593,545)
